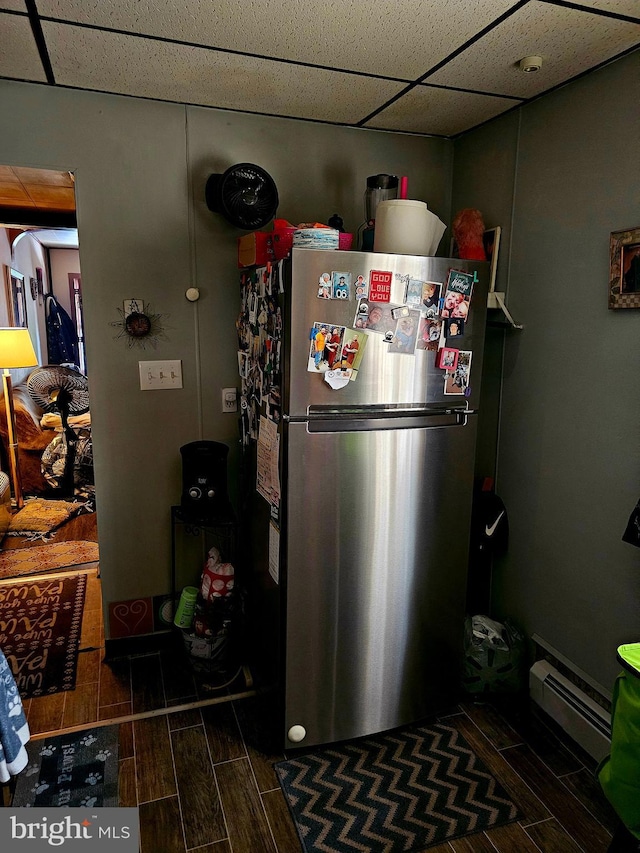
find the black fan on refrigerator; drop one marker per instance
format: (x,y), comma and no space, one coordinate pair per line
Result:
(59,389)
(245,195)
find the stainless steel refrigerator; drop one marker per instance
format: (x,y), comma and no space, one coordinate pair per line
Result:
(376,484)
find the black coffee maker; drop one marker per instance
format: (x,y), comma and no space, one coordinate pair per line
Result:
(379,188)
(204,479)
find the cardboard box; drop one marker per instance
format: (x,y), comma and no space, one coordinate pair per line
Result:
(255,249)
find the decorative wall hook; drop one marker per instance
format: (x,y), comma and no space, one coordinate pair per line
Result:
(138,326)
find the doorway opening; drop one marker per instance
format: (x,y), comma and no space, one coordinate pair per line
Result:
(39,247)
(75,298)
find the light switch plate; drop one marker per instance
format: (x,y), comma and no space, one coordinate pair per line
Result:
(160,375)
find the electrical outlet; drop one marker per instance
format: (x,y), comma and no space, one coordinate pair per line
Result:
(229,400)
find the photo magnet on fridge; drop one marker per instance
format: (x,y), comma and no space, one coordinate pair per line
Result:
(380,286)
(362,314)
(447,358)
(453,327)
(341,285)
(324,286)
(457,294)
(456,380)
(274,403)
(269,280)
(431,298)
(413,292)
(253,308)
(361,287)
(274,318)
(376,318)
(429,334)
(262,274)
(352,353)
(406,333)
(325,346)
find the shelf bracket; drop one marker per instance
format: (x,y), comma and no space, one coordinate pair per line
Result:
(495,299)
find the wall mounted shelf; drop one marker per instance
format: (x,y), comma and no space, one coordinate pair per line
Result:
(495,300)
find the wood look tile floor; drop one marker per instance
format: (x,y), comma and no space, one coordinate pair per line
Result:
(203,776)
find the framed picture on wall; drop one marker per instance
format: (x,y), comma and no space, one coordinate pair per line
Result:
(624,269)
(40,285)
(16,297)
(491,243)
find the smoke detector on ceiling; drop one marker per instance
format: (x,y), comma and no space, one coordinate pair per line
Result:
(530,64)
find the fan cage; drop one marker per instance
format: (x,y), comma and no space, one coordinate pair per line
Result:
(43,381)
(246,195)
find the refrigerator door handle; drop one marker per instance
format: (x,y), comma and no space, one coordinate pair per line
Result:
(360,420)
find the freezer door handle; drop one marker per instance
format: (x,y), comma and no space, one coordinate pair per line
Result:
(351,420)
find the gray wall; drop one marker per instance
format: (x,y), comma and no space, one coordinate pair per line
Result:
(568,454)
(484,177)
(145,232)
(558,176)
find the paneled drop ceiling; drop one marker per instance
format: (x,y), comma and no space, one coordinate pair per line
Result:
(36,197)
(436,67)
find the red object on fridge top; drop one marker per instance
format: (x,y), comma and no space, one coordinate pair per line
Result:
(282,238)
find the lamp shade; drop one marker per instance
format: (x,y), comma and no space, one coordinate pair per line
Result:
(16,349)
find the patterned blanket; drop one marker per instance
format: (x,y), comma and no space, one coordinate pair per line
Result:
(14,729)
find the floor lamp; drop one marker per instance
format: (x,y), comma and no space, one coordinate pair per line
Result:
(16,350)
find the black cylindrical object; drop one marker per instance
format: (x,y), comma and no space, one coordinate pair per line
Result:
(379,188)
(204,478)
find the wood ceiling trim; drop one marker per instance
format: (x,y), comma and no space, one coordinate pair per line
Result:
(25,189)
(43,177)
(37,216)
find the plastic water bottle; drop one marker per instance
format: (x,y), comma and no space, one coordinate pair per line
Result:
(186,607)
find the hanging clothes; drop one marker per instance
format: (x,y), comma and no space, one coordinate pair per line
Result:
(62,337)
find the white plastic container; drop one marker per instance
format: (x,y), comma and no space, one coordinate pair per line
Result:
(406,227)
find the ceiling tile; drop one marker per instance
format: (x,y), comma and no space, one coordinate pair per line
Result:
(392,38)
(439,111)
(57,238)
(569,41)
(19,56)
(620,7)
(123,64)
(396,39)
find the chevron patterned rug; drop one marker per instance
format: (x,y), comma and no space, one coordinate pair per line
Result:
(38,559)
(398,792)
